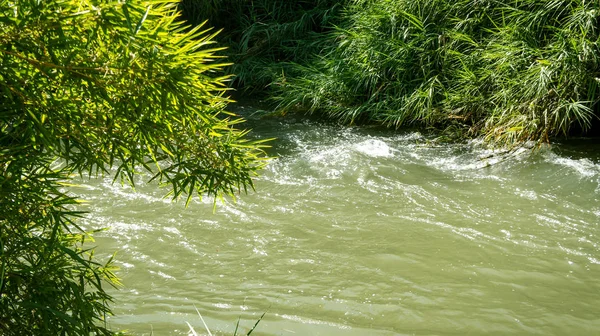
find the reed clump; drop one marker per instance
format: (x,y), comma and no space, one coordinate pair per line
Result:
(264,38)
(509,71)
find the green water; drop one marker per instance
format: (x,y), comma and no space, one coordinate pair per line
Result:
(365,232)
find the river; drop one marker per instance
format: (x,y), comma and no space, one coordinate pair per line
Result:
(363,231)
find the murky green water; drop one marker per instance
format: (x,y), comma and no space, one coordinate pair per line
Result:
(363,232)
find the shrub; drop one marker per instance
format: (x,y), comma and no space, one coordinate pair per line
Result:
(510,71)
(86,86)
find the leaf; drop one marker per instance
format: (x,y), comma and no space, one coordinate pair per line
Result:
(127,17)
(139,25)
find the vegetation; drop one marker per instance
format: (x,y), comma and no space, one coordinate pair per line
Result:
(86,86)
(262,36)
(193,332)
(510,70)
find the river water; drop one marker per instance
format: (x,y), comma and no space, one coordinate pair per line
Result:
(359,231)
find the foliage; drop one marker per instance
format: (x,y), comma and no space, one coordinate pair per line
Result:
(235,332)
(510,70)
(86,86)
(262,35)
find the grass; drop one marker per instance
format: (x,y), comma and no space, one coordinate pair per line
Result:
(194,333)
(509,71)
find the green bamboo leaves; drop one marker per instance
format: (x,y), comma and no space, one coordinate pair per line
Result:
(86,87)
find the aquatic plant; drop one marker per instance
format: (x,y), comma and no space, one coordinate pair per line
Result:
(509,71)
(193,332)
(87,86)
(263,35)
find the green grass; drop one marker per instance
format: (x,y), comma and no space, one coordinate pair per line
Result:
(509,71)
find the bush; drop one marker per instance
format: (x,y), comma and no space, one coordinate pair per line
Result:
(263,35)
(510,71)
(86,86)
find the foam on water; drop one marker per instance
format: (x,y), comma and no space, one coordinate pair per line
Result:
(584,167)
(374,148)
(355,232)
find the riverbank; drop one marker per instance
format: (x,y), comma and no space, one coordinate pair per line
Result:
(509,71)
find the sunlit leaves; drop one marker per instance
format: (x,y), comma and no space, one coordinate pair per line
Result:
(87,87)
(510,71)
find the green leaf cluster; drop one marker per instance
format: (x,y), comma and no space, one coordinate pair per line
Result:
(91,87)
(262,36)
(510,71)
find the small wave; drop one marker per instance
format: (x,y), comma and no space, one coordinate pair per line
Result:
(172,230)
(123,228)
(374,148)
(163,275)
(335,155)
(527,194)
(128,193)
(311,321)
(409,137)
(584,167)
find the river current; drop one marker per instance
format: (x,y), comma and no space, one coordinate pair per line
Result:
(361,231)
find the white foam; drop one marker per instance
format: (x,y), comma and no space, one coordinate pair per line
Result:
(163,275)
(583,167)
(303,320)
(328,156)
(172,230)
(374,148)
(528,194)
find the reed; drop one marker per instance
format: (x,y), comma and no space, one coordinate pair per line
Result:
(509,71)
(193,332)
(263,36)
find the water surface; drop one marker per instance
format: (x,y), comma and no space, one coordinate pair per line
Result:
(358,231)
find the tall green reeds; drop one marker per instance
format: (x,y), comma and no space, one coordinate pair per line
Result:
(262,36)
(510,71)
(507,70)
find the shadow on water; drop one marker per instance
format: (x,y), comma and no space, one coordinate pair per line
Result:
(579,148)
